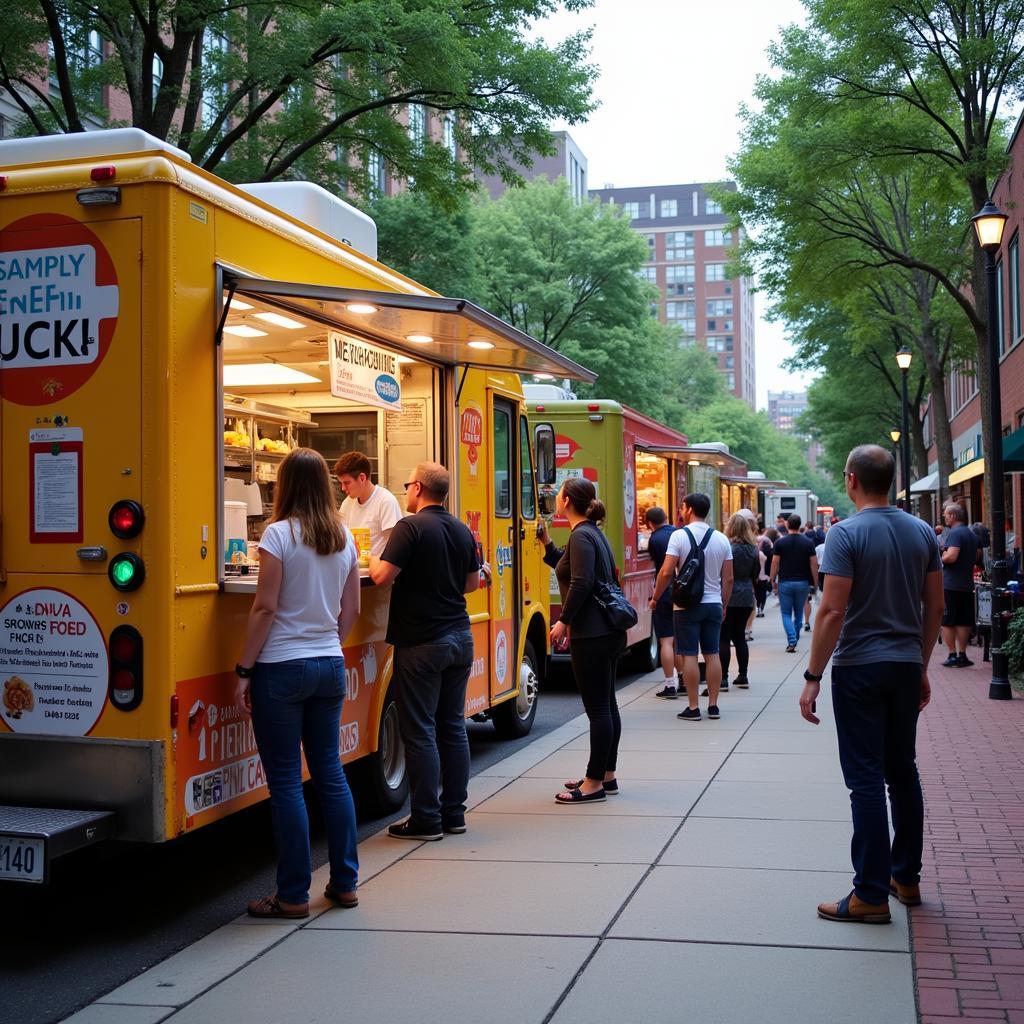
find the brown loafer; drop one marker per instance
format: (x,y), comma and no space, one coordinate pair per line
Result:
(345,900)
(852,909)
(908,895)
(271,906)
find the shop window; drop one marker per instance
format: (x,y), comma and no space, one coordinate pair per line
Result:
(651,490)
(528,498)
(502,462)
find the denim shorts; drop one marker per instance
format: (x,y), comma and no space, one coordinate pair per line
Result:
(661,620)
(697,629)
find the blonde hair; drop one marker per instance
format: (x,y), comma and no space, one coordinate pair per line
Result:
(740,530)
(304,493)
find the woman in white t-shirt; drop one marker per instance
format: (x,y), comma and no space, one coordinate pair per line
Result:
(291,679)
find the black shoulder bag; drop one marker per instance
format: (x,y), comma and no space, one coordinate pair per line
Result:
(618,612)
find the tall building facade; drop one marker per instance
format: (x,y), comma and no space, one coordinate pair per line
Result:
(785,408)
(568,161)
(688,245)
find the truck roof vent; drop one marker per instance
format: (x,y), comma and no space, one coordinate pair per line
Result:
(317,207)
(83,146)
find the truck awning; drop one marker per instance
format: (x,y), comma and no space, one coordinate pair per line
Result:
(705,456)
(459,332)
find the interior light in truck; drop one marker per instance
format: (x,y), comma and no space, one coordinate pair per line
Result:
(479,343)
(360,307)
(241,375)
(280,321)
(543,376)
(243,331)
(420,339)
(239,304)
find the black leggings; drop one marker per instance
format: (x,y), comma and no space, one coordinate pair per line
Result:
(762,588)
(594,661)
(734,630)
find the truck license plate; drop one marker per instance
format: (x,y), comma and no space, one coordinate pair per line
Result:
(21,860)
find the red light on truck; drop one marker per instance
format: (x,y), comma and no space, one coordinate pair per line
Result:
(126,519)
(174,711)
(105,173)
(593,407)
(125,648)
(540,408)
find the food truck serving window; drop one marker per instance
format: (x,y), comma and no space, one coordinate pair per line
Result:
(652,489)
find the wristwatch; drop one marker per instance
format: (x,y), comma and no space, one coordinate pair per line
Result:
(242,672)
(811,677)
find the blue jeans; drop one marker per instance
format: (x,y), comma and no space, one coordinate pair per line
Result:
(431,680)
(792,598)
(296,708)
(876,709)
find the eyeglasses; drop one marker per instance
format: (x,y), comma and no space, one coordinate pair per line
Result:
(409,484)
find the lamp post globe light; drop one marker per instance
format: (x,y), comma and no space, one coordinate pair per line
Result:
(988,223)
(904,357)
(894,436)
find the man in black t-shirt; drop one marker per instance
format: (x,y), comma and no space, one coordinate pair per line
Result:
(431,558)
(794,571)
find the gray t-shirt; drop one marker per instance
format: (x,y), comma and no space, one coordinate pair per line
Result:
(960,575)
(887,553)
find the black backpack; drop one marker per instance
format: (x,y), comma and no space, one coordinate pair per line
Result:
(688,588)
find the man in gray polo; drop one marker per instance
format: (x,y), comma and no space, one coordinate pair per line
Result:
(882,602)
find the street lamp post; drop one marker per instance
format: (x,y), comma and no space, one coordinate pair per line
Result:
(904,357)
(894,436)
(988,225)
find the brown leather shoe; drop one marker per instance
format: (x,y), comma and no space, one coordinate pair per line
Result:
(345,900)
(852,909)
(271,906)
(908,895)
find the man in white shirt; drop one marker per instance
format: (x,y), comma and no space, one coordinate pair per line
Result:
(697,629)
(366,505)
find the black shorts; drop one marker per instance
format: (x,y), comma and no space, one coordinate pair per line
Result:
(661,620)
(959,608)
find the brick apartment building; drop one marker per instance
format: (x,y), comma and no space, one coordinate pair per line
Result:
(967,480)
(568,161)
(689,242)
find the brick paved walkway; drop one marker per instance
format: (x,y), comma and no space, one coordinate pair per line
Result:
(968,937)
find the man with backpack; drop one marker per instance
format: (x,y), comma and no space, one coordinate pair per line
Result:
(700,592)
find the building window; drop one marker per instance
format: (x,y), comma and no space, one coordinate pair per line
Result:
(1000,309)
(680,310)
(730,362)
(728,343)
(717,237)
(714,271)
(650,246)
(730,381)
(719,307)
(679,279)
(417,126)
(679,245)
(215,49)
(1015,290)
(669,208)
(450,142)
(377,173)
(649,274)
(712,206)
(635,211)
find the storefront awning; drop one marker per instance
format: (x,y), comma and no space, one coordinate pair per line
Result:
(1013,452)
(926,484)
(968,472)
(459,333)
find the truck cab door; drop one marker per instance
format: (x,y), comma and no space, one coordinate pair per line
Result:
(504,593)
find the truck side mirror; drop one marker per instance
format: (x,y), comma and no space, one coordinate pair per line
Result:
(544,445)
(546,498)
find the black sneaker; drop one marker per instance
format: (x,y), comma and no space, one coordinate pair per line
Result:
(409,830)
(741,683)
(713,711)
(669,693)
(962,661)
(454,828)
(951,662)
(690,715)
(807,627)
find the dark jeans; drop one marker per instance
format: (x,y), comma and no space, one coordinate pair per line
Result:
(876,709)
(296,708)
(762,588)
(431,680)
(734,632)
(594,661)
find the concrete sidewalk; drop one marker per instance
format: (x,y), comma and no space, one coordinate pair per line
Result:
(690,895)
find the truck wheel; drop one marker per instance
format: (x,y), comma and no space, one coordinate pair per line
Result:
(383,781)
(646,655)
(514,718)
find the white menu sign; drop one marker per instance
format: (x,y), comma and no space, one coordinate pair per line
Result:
(363,372)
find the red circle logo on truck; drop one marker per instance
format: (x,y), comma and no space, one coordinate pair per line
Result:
(58,307)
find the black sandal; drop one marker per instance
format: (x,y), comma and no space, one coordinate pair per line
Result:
(575,796)
(611,787)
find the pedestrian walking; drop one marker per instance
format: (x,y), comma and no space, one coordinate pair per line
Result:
(959,552)
(748,635)
(431,559)
(794,571)
(367,505)
(746,568)
(661,617)
(702,549)
(812,535)
(581,567)
(763,586)
(883,607)
(291,679)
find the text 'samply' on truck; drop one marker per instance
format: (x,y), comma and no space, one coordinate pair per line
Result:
(634,463)
(165,339)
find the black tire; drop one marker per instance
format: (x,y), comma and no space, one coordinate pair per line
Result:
(514,718)
(382,779)
(646,655)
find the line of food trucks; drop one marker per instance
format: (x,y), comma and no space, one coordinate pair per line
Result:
(165,339)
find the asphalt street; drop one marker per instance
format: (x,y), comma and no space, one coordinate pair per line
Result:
(114,911)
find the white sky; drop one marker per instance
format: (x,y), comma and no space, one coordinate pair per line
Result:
(673,76)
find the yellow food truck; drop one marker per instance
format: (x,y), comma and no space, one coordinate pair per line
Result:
(165,339)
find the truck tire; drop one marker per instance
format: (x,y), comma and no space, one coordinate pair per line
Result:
(514,718)
(382,780)
(646,655)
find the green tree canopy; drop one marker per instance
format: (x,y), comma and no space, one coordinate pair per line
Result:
(310,88)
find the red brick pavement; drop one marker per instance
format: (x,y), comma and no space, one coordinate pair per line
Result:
(968,936)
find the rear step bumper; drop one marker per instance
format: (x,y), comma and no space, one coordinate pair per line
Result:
(31,838)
